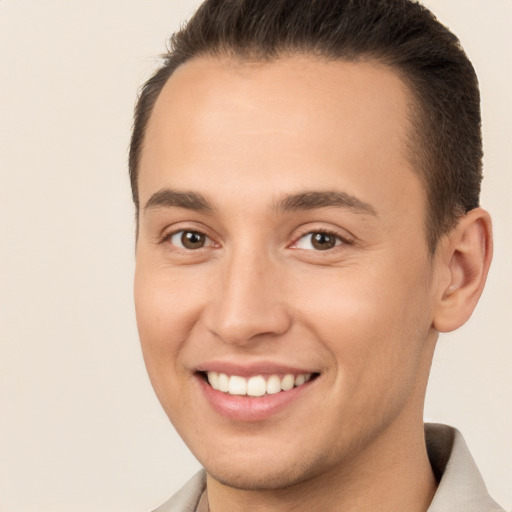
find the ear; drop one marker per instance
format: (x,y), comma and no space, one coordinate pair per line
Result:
(464,257)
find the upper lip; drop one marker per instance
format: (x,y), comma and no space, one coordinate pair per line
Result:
(251,369)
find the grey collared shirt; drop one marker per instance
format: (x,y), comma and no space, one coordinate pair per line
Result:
(461,487)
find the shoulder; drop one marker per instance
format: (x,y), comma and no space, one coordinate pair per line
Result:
(461,487)
(187,498)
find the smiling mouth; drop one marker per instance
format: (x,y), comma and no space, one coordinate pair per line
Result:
(257,385)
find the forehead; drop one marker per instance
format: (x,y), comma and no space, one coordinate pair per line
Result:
(300,119)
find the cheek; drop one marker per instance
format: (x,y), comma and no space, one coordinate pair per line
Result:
(166,307)
(372,320)
(165,318)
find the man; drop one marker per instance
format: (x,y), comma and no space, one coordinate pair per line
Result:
(306,177)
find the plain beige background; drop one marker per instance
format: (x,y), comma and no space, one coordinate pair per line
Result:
(80,428)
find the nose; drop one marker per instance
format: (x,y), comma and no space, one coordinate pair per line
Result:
(249,302)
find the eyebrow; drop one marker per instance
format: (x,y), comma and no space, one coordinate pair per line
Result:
(311,200)
(324,199)
(168,198)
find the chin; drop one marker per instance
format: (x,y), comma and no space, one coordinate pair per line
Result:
(251,481)
(250,476)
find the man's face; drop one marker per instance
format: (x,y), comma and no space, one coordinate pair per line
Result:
(281,233)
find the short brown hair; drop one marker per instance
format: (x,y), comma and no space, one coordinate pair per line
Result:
(447,141)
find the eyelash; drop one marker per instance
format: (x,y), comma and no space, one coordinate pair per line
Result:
(209,242)
(339,239)
(169,236)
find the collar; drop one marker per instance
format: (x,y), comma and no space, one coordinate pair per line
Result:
(461,487)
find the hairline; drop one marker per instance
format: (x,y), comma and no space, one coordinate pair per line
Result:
(415,141)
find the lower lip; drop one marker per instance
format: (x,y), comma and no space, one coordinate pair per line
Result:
(246,408)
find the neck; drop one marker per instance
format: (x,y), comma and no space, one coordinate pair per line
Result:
(381,480)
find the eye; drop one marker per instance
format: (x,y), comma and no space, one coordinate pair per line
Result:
(189,240)
(318,241)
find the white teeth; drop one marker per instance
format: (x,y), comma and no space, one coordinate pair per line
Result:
(273,385)
(287,382)
(237,385)
(256,385)
(300,379)
(213,378)
(223,382)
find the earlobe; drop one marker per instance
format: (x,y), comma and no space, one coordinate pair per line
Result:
(466,257)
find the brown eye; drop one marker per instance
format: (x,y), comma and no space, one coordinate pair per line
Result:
(192,239)
(318,241)
(322,241)
(189,240)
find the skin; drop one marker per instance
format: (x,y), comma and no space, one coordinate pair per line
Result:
(363,315)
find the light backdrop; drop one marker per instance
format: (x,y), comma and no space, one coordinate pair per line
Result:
(80,428)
